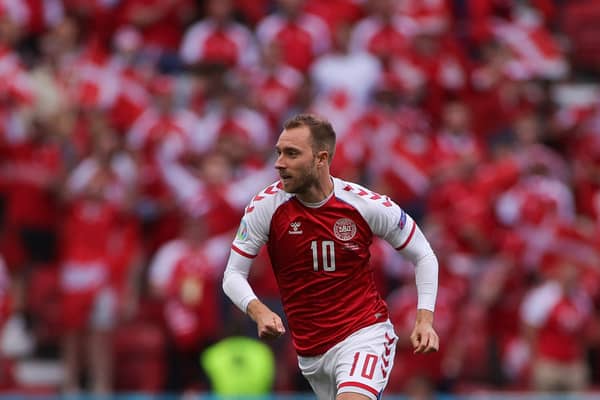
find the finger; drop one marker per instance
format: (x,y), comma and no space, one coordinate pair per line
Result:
(267,334)
(414,339)
(434,345)
(279,326)
(432,342)
(423,344)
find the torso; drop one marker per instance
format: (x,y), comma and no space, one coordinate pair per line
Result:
(320,258)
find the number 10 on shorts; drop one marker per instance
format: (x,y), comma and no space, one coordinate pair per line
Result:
(364,362)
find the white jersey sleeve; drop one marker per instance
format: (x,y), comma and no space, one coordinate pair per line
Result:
(388,221)
(385,218)
(235,281)
(253,231)
(252,234)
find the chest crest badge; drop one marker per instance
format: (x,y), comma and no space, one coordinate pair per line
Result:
(344,229)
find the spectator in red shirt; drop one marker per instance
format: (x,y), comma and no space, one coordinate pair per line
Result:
(100,192)
(556,315)
(301,36)
(218,40)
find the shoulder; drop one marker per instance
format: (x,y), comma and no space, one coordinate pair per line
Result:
(359,196)
(268,199)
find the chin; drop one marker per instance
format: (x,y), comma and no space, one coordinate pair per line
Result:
(288,187)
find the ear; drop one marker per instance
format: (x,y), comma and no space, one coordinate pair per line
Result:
(323,157)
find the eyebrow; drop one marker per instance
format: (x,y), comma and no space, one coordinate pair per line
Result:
(287,148)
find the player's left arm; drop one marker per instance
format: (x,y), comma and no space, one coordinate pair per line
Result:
(395,226)
(423,337)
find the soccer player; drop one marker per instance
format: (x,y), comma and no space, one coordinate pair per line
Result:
(318,230)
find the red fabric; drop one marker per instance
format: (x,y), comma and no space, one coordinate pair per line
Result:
(403,306)
(165,31)
(276,91)
(387,41)
(76,309)
(560,337)
(252,10)
(579,24)
(337,318)
(261,277)
(139,348)
(335,12)
(191,308)
(5,308)
(295,38)
(88,229)
(30,170)
(410,146)
(44,302)
(98,17)
(297,46)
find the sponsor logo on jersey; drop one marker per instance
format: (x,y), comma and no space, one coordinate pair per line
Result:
(402,222)
(295,228)
(242,233)
(344,229)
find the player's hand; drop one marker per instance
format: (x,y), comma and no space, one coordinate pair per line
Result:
(268,323)
(423,337)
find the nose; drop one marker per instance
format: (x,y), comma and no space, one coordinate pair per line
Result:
(279,162)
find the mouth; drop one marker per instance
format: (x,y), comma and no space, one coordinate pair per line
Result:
(285,177)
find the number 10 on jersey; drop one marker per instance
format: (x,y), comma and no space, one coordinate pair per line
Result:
(327,250)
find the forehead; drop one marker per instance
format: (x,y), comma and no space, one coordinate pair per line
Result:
(295,137)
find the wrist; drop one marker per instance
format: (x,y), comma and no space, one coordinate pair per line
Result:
(255,308)
(424,316)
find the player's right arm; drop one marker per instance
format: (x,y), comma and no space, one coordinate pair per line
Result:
(237,288)
(252,234)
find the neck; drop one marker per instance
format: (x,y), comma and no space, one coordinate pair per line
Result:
(319,191)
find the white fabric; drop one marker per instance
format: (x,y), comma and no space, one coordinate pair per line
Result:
(355,73)
(163,263)
(385,219)
(538,304)
(121,165)
(195,38)
(340,370)
(235,281)
(422,256)
(104,311)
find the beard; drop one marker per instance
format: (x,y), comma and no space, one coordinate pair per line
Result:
(302,181)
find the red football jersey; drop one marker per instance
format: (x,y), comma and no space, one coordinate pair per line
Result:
(320,258)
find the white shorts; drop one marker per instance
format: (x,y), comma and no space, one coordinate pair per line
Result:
(361,363)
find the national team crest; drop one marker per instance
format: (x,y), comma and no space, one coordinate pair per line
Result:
(344,229)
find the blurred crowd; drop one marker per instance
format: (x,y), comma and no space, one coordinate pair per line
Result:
(134,132)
